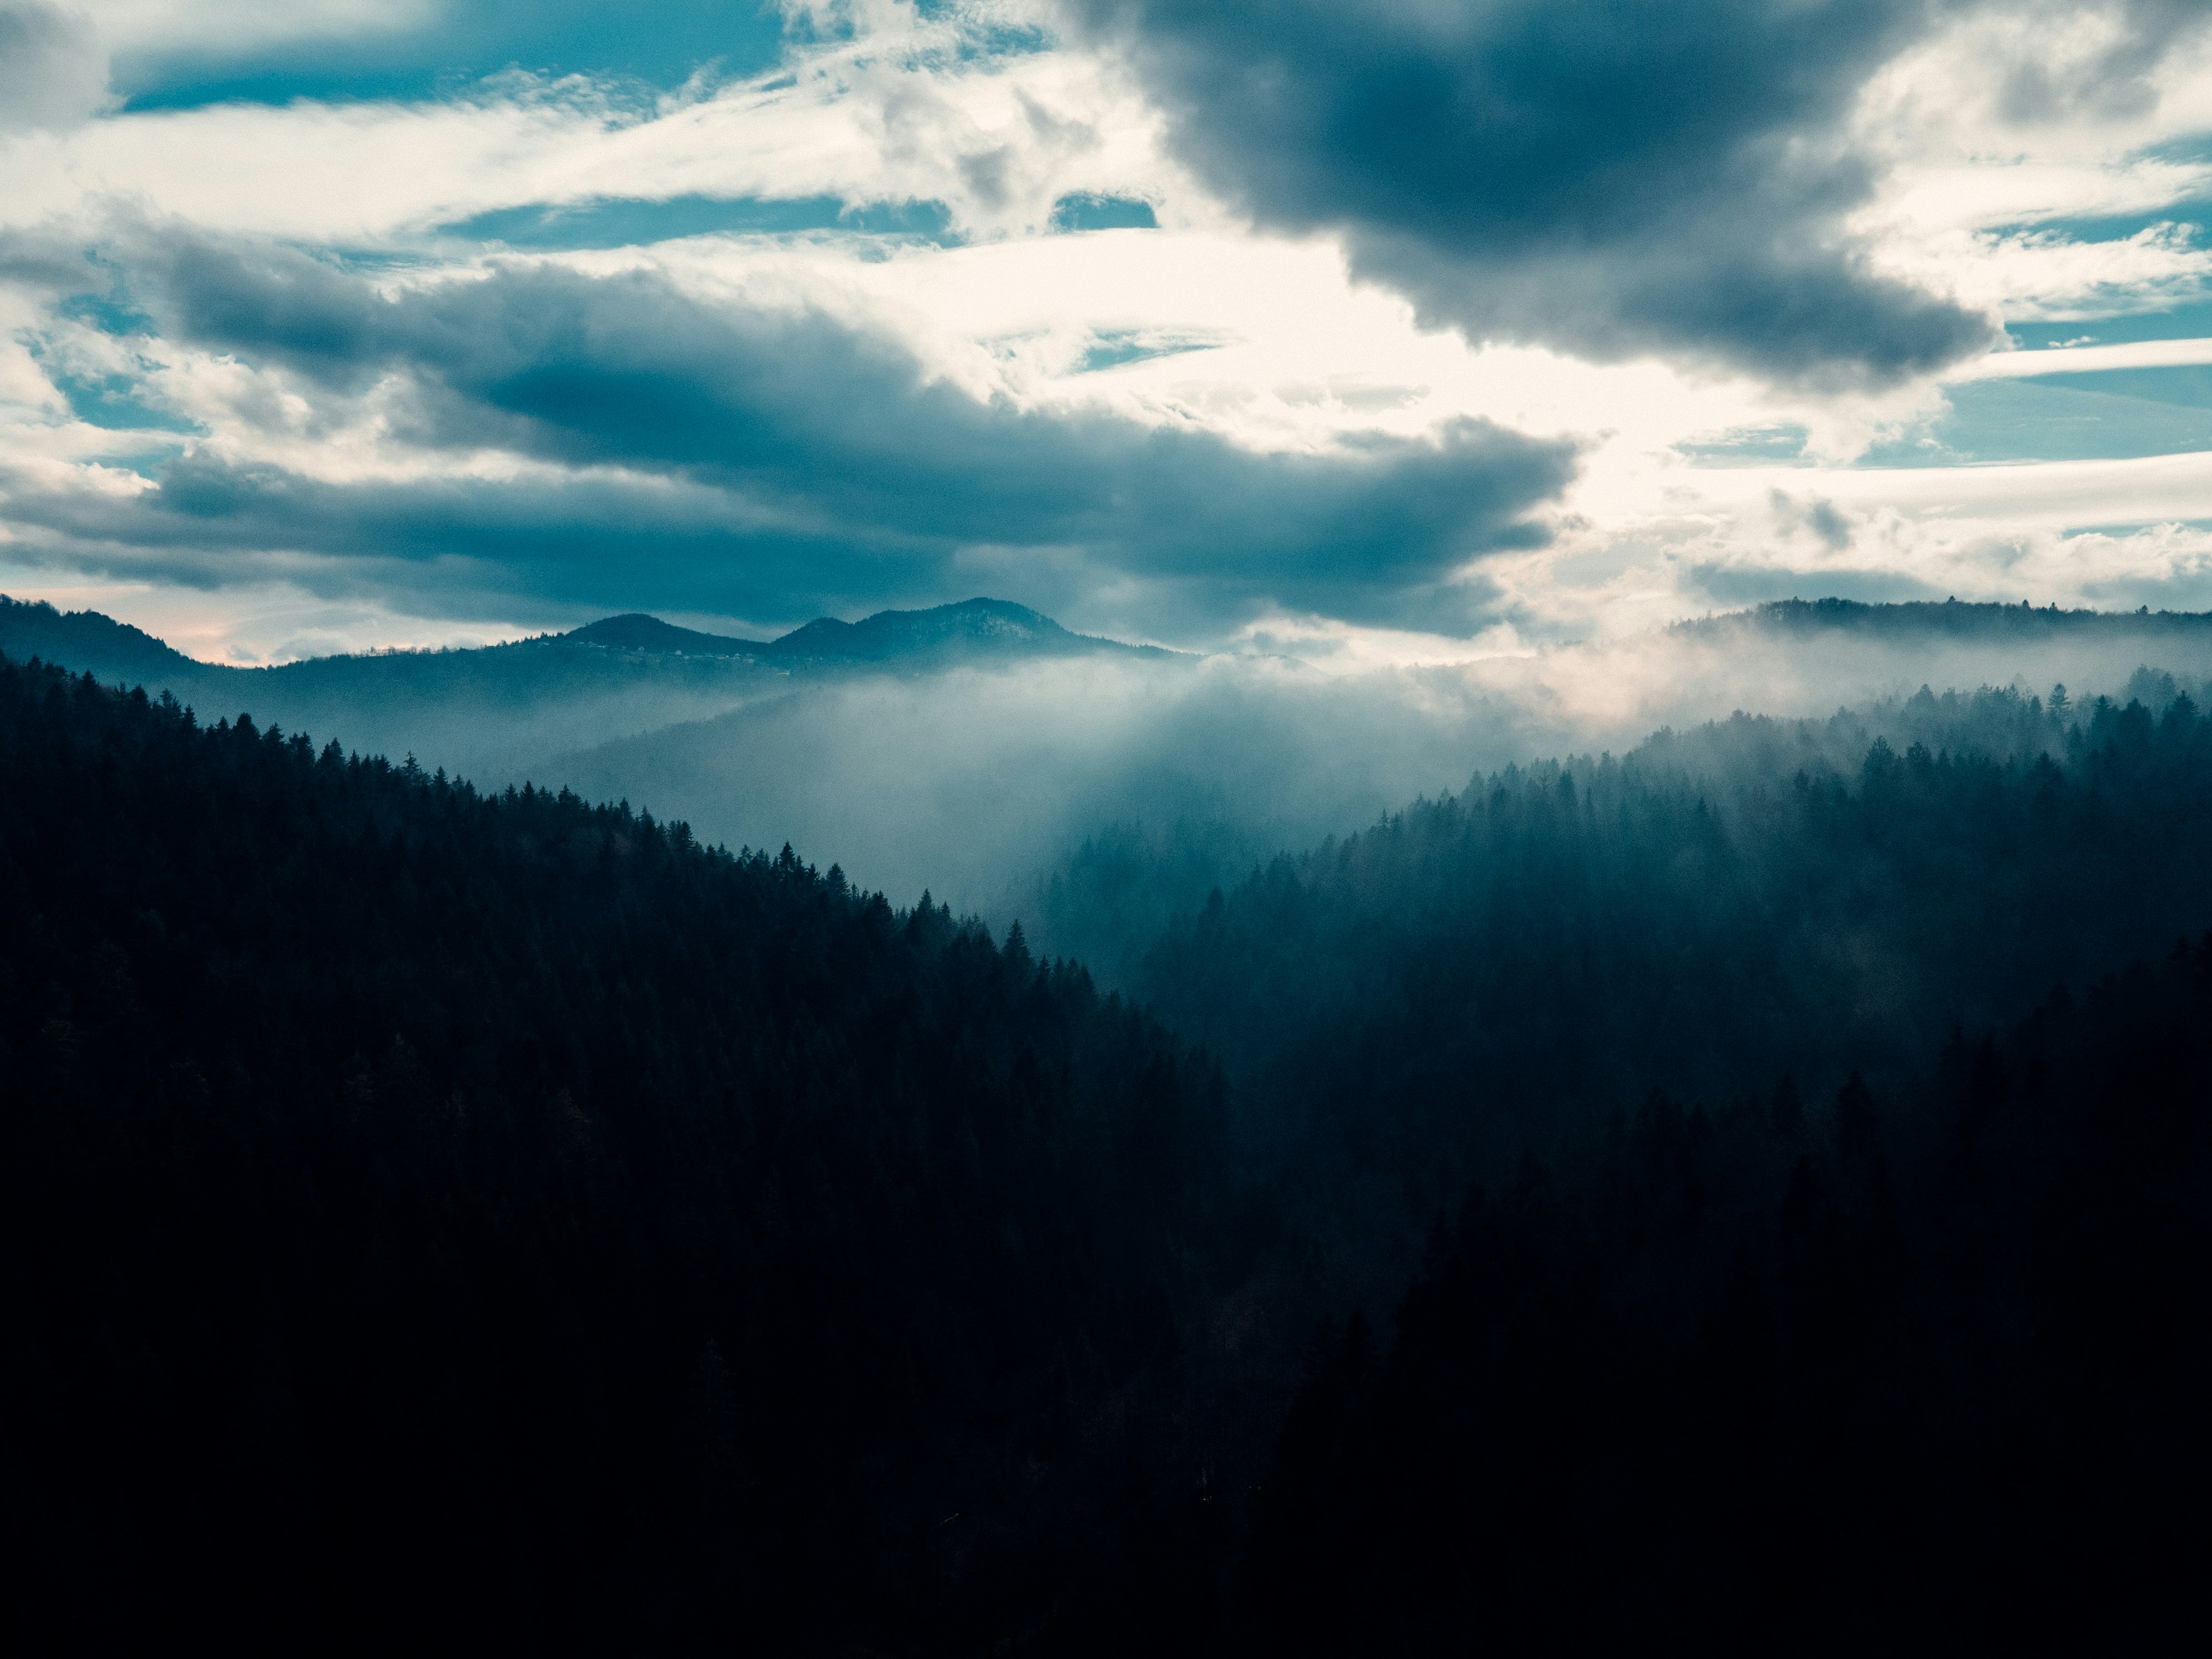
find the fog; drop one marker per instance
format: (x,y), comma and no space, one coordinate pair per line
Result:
(966,782)
(1156,777)
(974,784)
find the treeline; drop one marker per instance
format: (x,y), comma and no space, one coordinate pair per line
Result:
(437,1219)
(1923,621)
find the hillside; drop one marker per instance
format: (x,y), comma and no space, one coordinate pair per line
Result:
(1720,909)
(426,1211)
(1924,621)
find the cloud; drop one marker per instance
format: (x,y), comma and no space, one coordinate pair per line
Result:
(1828,527)
(1669,178)
(53,70)
(774,462)
(936,113)
(2099,63)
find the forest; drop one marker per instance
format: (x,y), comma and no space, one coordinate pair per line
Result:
(1754,1190)
(434,1216)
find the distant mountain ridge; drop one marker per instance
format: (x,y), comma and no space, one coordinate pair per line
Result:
(1947,618)
(504,713)
(995,626)
(635,631)
(979,627)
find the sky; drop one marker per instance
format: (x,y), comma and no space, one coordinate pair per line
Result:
(1361,333)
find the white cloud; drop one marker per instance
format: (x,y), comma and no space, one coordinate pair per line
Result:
(53,72)
(998,139)
(2086,360)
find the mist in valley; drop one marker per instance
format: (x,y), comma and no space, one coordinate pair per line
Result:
(978,784)
(1001,770)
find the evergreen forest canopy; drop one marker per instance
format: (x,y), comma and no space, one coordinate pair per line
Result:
(438,1216)
(1754,1190)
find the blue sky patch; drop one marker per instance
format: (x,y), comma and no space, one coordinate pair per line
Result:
(659,47)
(2045,420)
(115,403)
(1086,211)
(111,314)
(631,223)
(1117,347)
(2183,322)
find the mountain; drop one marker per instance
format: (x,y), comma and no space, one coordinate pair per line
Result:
(639,632)
(615,648)
(510,712)
(976,629)
(1923,621)
(971,630)
(435,1215)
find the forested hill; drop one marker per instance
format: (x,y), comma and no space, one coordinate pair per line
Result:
(1418,1005)
(440,1219)
(1825,1184)
(1923,621)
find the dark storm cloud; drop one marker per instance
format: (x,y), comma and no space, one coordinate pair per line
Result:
(798,464)
(1612,179)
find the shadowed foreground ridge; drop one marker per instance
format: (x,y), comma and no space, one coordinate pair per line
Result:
(431,1217)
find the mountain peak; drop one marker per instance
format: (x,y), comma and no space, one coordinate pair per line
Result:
(635,631)
(971,626)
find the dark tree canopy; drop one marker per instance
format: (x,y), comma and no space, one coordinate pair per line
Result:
(428,1214)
